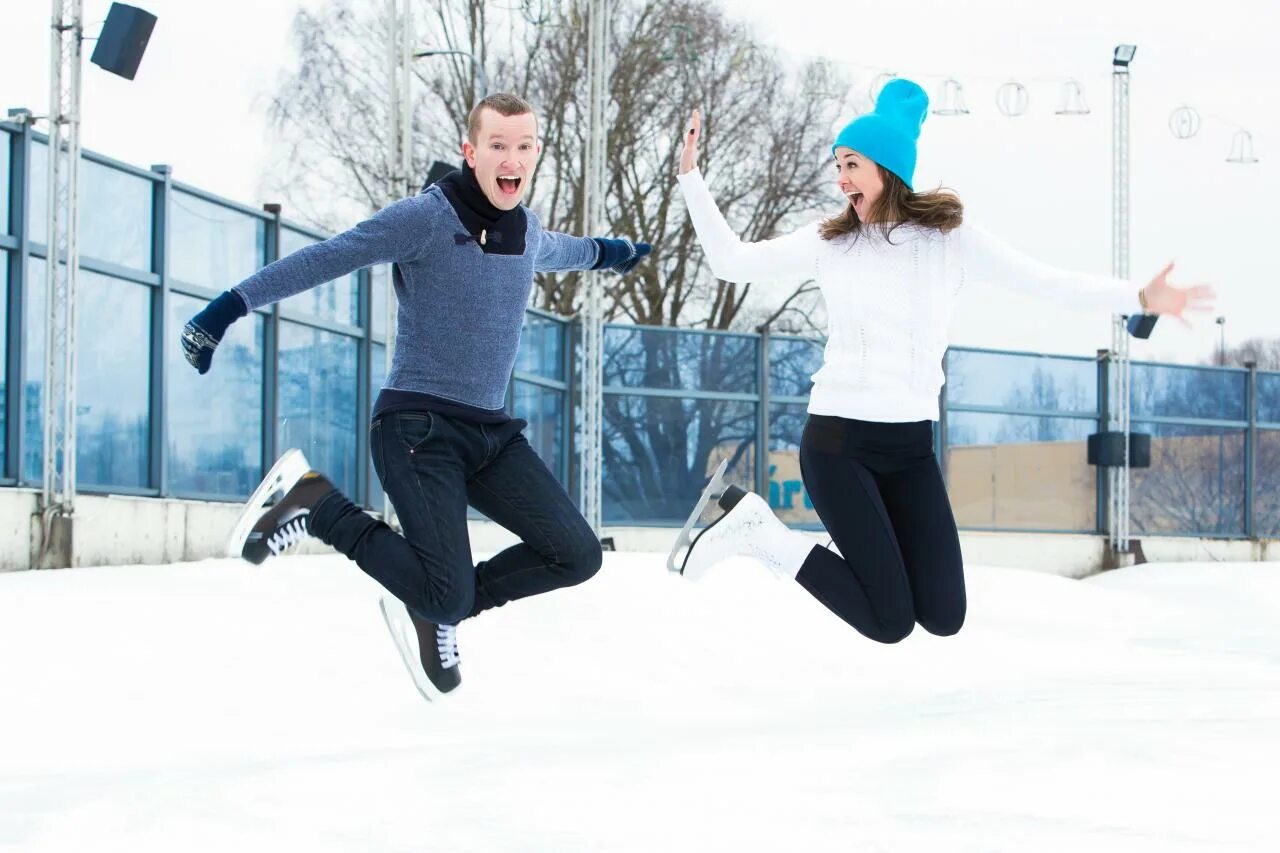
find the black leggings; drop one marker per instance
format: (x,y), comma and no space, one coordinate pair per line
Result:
(878,491)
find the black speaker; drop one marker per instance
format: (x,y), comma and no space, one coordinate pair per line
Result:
(123,40)
(1140,325)
(1107,448)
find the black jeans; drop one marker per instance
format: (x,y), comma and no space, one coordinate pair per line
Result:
(432,466)
(878,491)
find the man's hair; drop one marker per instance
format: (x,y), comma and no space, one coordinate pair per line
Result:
(503,103)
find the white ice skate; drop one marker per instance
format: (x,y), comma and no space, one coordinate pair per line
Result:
(282,477)
(747,528)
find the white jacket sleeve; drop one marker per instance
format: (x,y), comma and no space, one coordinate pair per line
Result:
(987,258)
(792,257)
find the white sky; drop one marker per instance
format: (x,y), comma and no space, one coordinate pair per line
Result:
(219,706)
(1041,181)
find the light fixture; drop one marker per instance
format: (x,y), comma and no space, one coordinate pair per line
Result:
(1124,55)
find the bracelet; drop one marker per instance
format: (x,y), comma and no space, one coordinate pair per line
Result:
(1142,298)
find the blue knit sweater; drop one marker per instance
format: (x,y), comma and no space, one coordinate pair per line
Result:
(460,308)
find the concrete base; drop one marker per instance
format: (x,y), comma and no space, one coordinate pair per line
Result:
(117,530)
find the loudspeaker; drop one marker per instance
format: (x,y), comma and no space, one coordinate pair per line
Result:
(123,40)
(1107,448)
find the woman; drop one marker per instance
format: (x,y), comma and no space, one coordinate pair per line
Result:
(890,268)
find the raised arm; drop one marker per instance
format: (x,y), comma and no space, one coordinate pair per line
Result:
(786,258)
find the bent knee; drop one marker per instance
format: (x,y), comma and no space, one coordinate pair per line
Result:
(946,626)
(893,632)
(583,559)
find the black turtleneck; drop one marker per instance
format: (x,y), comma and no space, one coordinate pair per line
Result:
(503,230)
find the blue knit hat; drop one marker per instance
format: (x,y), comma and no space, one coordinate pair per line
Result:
(888,134)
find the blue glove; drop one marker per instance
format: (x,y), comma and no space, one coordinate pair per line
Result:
(203,332)
(620,255)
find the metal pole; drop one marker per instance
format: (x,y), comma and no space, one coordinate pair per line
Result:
(593,308)
(58,495)
(1118,477)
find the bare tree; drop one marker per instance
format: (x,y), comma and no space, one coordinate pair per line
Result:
(767,128)
(1264,352)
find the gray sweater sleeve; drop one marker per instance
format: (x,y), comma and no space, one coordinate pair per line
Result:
(393,234)
(558,251)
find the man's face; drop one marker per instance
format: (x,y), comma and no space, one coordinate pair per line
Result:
(504,156)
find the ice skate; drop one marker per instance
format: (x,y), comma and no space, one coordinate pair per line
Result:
(275,517)
(429,651)
(747,528)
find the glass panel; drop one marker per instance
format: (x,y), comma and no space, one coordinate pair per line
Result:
(1016,472)
(115,216)
(787,494)
(1038,383)
(379,280)
(659,452)
(377,375)
(113,382)
(115,211)
(215,449)
(1269,398)
(1188,392)
(791,364)
(32,450)
(37,210)
(1266,485)
(333,300)
(1195,483)
(5,180)
(543,408)
(541,350)
(639,357)
(212,245)
(318,400)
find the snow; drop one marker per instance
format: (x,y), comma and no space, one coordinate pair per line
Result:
(224,707)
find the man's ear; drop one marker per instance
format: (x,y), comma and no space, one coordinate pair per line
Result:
(469,153)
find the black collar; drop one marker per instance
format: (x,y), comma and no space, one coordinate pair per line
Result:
(496,231)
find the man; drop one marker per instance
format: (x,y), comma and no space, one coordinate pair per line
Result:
(464,254)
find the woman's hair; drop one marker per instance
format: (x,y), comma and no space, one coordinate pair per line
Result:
(897,205)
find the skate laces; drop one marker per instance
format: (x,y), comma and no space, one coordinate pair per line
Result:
(447,644)
(289,535)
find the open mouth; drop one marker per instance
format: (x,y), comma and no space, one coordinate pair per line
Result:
(508,184)
(855,199)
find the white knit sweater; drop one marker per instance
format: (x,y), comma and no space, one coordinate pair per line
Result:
(889,305)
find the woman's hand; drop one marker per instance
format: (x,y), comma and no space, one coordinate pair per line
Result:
(1163,298)
(689,159)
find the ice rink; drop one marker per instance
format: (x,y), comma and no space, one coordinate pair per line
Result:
(217,706)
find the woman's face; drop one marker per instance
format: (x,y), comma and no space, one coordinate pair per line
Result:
(858,179)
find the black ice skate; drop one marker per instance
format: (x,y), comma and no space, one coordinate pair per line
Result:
(429,651)
(275,517)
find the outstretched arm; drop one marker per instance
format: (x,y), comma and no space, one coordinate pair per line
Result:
(786,258)
(393,234)
(558,252)
(987,258)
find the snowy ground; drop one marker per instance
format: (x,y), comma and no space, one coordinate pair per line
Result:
(215,706)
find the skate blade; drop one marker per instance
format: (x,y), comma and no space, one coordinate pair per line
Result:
(715,487)
(406,641)
(282,477)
